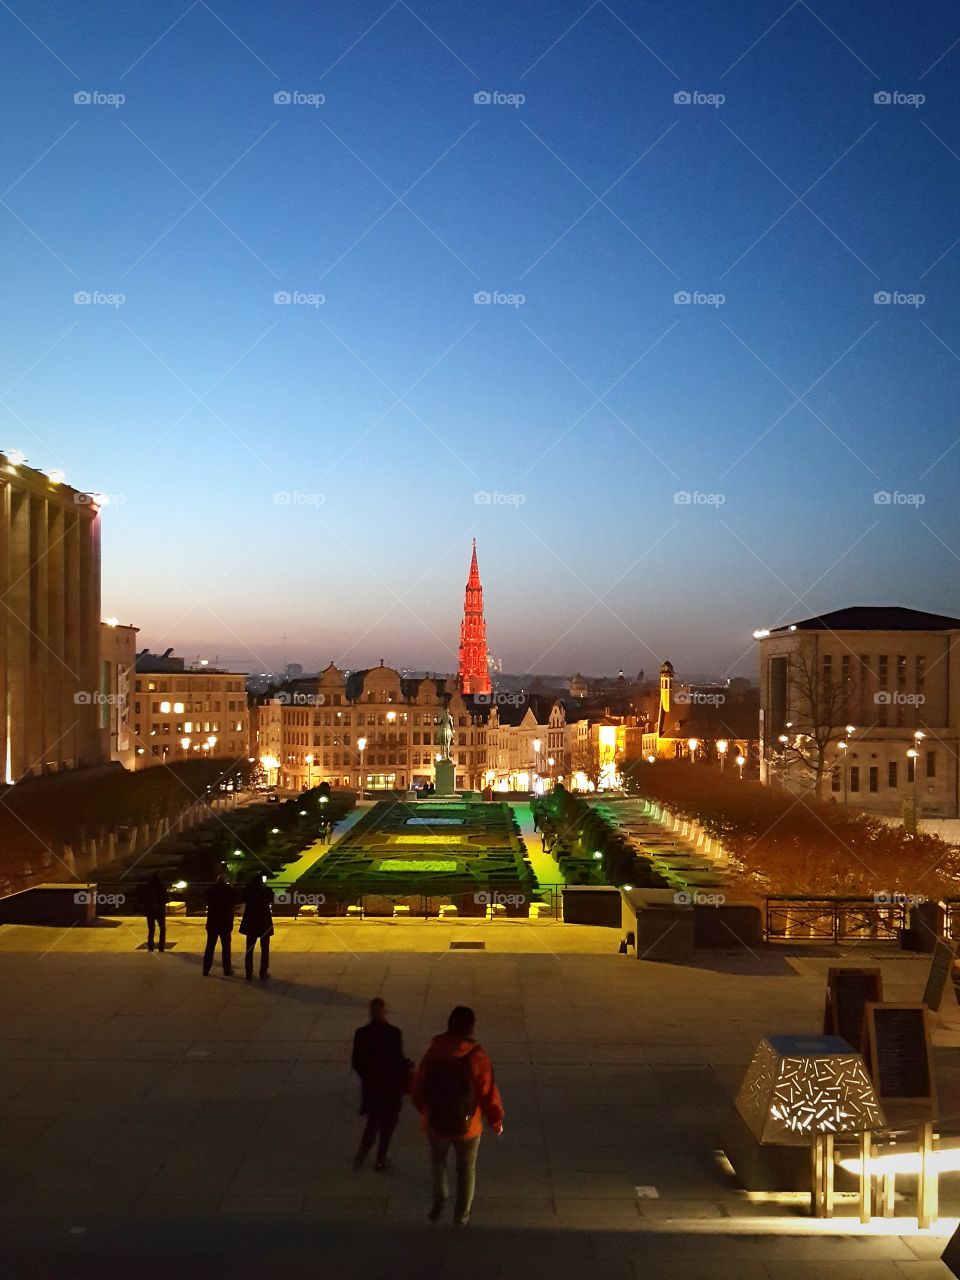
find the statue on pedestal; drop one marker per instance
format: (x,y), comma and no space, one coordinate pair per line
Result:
(444,735)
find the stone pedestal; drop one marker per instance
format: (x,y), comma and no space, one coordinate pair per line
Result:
(445,779)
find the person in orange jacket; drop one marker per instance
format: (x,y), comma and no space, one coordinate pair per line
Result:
(454,1091)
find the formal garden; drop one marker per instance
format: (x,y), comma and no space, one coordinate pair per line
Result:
(424,855)
(781,843)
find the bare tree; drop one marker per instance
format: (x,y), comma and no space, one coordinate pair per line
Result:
(589,760)
(819,707)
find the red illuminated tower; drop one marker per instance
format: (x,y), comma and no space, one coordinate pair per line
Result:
(474,673)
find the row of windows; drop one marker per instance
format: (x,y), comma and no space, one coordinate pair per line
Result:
(186,727)
(210,704)
(854,774)
(371,758)
(193,685)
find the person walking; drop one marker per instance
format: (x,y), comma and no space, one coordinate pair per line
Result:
(155,909)
(220,899)
(384,1073)
(257,922)
(454,1090)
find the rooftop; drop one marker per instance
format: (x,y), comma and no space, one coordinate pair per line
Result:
(869,617)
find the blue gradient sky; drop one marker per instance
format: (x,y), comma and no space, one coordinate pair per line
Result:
(199,400)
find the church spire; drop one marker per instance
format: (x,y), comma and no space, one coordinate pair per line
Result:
(474,675)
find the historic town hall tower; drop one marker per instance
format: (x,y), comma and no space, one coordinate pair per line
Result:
(474,673)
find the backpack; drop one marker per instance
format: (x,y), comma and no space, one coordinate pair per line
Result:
(449,1095)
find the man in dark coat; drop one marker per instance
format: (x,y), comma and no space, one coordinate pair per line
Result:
(257,922)
(384,1072)
(219,924)
(155,909)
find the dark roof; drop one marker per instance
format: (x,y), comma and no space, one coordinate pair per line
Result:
(868,617)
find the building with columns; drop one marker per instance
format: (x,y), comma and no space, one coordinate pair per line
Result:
(49,623)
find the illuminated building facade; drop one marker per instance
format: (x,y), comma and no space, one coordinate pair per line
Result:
(881,685)
(118,654)
(49,623)
(181,713)
(474,676)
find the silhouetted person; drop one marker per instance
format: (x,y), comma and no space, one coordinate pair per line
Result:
(257,923)
(383,1070)
(454,1090)
(155,909)
(220,900)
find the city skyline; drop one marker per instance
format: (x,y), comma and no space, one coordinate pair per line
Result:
(311,348)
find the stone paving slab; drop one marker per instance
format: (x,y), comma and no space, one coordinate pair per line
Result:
(205,1126)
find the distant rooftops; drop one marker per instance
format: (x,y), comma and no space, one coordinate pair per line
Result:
(166,662)
(867,617)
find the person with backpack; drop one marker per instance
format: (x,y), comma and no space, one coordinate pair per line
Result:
(454,1091)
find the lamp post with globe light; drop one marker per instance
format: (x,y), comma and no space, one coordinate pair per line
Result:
(722,748)
(361,746)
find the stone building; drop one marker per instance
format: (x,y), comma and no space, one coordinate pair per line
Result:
(181,712)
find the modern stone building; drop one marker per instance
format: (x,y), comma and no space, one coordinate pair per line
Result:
(879,689)
(118,654)
(49,623)
(181,712)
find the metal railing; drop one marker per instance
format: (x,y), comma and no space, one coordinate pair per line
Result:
(805,919)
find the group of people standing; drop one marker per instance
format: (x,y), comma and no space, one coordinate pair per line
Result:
(256,923)
(453,1088)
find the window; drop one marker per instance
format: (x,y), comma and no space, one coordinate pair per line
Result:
(892,773)
(854,777)
(874,778)
(931,764)
(911,768)
(835,779)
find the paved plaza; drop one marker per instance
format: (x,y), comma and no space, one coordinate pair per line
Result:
(160,1124)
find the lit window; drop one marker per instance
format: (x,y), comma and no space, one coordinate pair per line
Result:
(165,706)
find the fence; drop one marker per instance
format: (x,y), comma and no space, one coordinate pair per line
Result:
(423,900)
(800,919)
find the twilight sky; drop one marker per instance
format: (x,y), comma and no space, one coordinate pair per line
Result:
(315,468)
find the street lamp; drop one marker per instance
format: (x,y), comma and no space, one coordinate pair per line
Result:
(693,743)
(913,755)
(722,746)
(536,744)
(741,761)
(309,763)
(842,746)
(361,745)
(651,759)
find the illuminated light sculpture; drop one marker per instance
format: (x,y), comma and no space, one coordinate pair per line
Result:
(798,1087)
